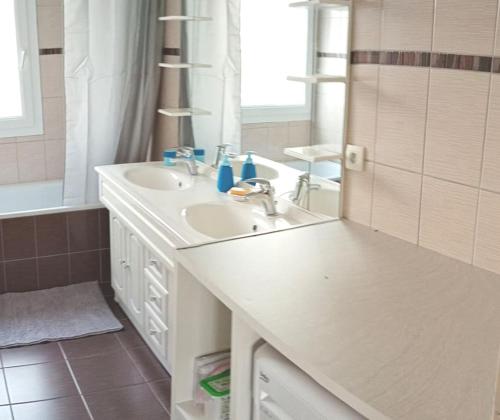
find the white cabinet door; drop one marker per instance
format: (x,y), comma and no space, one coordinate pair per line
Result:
(118,257)
(135,280)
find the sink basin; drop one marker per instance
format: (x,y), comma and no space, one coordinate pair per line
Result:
(158,178)
(227,219)
(263,171)
(324,201)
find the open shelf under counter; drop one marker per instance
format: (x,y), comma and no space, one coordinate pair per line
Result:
(316,153)
(184,18)
(317,78)
(188,410)
(182,112)
(320,3)
(184,66)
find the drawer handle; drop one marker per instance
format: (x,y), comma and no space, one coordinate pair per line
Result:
(154,298)
(153,332)
(153,262)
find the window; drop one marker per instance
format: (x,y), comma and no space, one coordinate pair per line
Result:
(20,95)
(276,42)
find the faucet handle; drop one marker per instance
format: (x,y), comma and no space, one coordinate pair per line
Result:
(223,146)
(265,184)
(306,176)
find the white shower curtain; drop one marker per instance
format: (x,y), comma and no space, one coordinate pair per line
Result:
(102,40)
(216,89)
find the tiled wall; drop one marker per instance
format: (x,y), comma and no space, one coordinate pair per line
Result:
(428,112)
(39,158)
(269,139)
(55,250)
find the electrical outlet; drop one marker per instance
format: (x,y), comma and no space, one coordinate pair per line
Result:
(355,157)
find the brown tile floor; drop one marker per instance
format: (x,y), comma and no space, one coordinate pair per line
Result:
(105,377)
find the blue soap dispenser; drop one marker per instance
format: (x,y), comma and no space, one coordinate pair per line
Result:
(248,169)
(225,179)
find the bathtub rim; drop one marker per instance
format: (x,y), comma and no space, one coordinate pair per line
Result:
(50,210)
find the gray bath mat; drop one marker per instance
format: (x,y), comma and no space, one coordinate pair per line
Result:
(54,314)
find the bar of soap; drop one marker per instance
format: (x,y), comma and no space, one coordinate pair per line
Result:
(240,192)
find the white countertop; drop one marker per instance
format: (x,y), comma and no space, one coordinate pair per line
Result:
(394,330)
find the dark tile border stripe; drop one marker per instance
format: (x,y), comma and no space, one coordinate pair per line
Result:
(461,62)
(51,51)
(321,54)
(428,59)
(171,51)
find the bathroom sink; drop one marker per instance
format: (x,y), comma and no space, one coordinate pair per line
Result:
(324,201)
(158,178)
(263,171)
(220,220)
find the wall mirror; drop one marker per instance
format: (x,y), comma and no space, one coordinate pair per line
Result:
(289,61)
(293,92)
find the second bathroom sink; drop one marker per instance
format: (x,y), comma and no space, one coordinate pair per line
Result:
(219,220)
(158,178)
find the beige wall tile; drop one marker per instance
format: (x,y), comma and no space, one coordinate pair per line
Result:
(447,218)
(165,136)
(277,140)
(401,117)
(299,133)
(254,139)
(54,118)
(455,126)
(31,161)
(465,27)
(358,195)
(491,161)
(55,158)
(407,25)
(487,252)
(50,27)
(396,202)
(363,107)
(366,24)
(52,75)
(50,2)
(8,163)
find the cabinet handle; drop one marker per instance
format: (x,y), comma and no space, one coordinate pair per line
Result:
(153,262)
(153,332)
(153,298)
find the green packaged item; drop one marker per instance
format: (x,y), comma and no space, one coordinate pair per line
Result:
(217,386)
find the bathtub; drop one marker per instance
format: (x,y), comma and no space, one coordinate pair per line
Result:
(34,198)
(30,196)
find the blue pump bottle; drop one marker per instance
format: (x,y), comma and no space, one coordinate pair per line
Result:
(225,180)
(248,169)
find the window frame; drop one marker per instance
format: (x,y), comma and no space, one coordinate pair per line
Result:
(31,122)
(284,113)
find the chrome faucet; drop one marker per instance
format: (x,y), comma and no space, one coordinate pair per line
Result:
(302,187)
(265,190)
(186,156)
(219,154)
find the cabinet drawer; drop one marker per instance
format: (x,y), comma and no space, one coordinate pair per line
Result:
(156,297)
(156,332)
(155,267)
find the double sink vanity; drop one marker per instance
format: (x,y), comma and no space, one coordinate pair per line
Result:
(393,330)
(155,210)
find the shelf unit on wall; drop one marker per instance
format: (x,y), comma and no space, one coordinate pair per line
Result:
(317,78)
(184,18)
(184,66)
(320,3)
(183,112)
(316,153)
